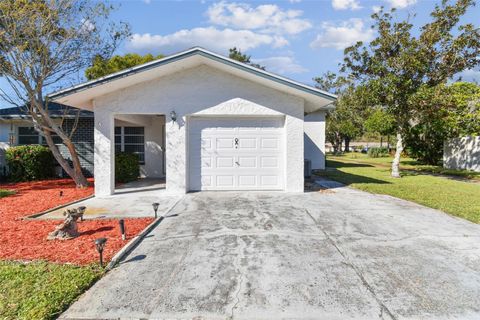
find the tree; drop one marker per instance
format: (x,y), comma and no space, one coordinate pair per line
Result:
(441,113)
(101,66)
(44,44)
(381,122)
(236,54)
(396,64)
(345,122)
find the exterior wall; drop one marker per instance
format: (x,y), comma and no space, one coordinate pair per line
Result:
(462,153)
(198,91)
(314,139)
(82,138)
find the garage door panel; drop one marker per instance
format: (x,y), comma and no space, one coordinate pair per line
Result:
(247,162)
(225,162)
(255,162)
(269,162)
(247,181)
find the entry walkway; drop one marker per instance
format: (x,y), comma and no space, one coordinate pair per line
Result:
(131,200)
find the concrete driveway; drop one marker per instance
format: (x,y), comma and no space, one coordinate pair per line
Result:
(336,254)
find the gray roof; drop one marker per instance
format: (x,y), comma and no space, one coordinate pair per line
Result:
(56,110)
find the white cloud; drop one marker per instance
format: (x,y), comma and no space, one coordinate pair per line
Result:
(470,75)
(267,18)
(281,65)
(294,1)
(400,4)
(342,35)
(210,38)
(376,8)
(346,4)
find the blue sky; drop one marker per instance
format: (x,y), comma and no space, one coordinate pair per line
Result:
(298,39)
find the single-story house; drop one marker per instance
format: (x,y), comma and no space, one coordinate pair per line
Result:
(205,122)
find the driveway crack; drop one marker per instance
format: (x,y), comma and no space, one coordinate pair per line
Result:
(383,308)
(238,265)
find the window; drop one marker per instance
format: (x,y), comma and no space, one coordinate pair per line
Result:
(131,140)
(27,135)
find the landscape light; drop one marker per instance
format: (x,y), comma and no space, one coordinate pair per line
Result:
(100,245)
(121,222)
(155,208)
(81,211)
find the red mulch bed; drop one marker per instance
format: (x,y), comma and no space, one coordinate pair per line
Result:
(26,240)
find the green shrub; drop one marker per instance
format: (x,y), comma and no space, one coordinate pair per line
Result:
(377,152)
(30,162)
(127,167)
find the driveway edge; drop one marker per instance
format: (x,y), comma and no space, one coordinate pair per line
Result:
(136,240)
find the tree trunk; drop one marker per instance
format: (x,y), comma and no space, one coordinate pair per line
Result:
(76,172)
(347,144)
(396,159)
(381,141)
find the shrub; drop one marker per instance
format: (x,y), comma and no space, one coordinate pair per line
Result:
(30,162)
(377,152)
(127,167)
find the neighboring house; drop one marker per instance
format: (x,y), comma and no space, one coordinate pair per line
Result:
(224,125)
(462,153)
(15,129)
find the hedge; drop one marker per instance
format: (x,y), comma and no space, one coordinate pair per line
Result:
(127,167)
(30,162)
(377,152)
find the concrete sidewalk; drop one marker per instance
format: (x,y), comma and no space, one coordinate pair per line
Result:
(131,200)
(341,254)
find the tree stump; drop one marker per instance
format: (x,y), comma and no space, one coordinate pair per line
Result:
(68,229)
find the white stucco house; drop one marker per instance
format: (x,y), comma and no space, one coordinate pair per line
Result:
(210,123)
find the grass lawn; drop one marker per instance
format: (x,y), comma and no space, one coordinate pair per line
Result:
(4,193)
(458,198)
(41,290)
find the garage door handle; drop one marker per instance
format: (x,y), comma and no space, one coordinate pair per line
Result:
(237,163)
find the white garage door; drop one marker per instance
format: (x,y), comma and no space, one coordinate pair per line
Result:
(236,154)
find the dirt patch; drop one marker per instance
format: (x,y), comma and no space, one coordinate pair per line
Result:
(26,240)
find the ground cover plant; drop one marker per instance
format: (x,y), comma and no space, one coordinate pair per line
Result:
(35,285)
(458,198)
(5,193)
(26,239)
(41,290)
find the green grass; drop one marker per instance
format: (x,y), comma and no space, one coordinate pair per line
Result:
(458,198)
(406,164)
(41,290)
(5,193)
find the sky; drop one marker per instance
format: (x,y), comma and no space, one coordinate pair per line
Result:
(298,39)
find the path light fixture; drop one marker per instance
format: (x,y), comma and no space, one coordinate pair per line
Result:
(155,208)
(81,211)
(173,115)
(121,222)
(100,245)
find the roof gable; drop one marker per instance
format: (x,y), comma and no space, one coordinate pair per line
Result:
(79,95)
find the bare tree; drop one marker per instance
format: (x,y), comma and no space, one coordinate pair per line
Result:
(44,45)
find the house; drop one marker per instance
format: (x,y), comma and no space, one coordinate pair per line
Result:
(205,122)
(16,129)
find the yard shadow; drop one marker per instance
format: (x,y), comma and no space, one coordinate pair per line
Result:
(334,177)
(90,232)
